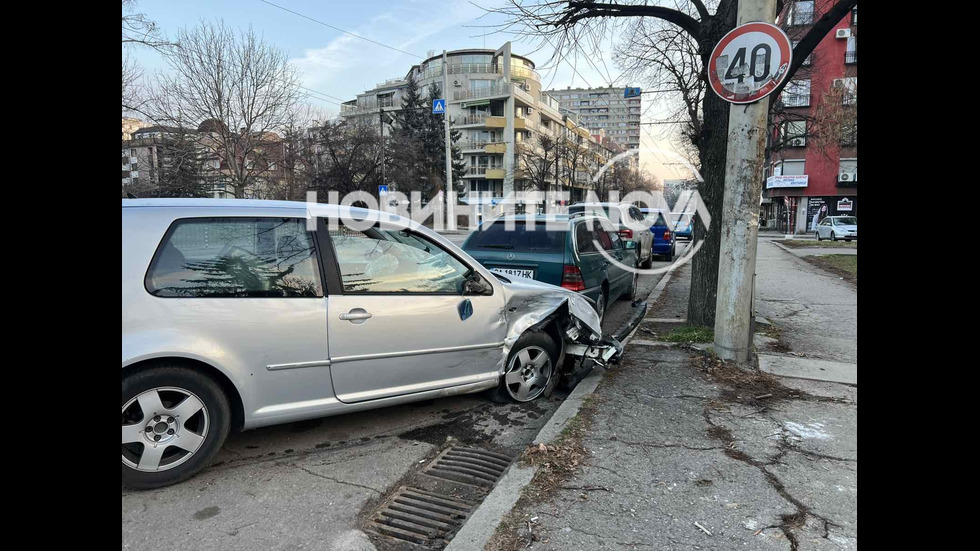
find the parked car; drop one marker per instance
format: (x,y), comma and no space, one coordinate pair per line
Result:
(235,315)
(560,250)
(683,224)
(664,243)
(630,222)
(837,227)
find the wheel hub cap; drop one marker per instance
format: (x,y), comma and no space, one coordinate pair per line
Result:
(528,374)
(171,426)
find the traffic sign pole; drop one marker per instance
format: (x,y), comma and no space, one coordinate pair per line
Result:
(450,207)
(734,309)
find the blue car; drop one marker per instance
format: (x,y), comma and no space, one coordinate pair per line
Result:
(683,225)
(663,237)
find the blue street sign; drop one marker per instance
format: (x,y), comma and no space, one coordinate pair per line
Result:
(438,107)
(632,92)
(382,191)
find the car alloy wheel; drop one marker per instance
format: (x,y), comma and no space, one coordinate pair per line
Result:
(833,236)
(174,421)
(528,373)
(170,426)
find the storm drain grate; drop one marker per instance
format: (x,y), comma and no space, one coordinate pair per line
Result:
(419,516)
(469,466)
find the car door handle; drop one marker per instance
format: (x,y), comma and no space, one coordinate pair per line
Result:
(356,315)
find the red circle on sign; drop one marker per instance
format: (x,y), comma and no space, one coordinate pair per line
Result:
(764,88)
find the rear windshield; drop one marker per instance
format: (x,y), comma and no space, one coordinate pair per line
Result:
(658,221)
(522,238)
(595,209)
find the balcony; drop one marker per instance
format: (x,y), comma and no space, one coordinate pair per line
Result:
(851,58)
(465,120)
(795,100)
(487,146)
(488,172)
(497,90)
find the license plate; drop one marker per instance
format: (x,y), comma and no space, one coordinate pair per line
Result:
(514,272)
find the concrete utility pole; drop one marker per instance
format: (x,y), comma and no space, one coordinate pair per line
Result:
(450,207)
(740,214)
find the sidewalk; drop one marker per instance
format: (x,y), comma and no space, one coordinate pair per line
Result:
(681,451)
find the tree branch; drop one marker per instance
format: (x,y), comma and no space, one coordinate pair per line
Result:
(578,11)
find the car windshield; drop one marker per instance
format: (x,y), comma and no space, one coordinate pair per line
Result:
(847,221)
(522,238)
(654,217)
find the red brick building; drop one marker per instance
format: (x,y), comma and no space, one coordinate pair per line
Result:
(811,167)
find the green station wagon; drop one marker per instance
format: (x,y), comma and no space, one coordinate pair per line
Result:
(562,253)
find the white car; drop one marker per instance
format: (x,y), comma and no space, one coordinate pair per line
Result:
(837,227)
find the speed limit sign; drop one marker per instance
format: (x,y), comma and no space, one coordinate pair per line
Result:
(749,62)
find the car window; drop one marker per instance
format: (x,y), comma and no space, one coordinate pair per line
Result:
(583,238)
(636,214)
(235,257)
(523,238)
(383,260)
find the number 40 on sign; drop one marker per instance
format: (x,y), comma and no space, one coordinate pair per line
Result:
(749,62)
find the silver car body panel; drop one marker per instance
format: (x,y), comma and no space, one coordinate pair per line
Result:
(295,358)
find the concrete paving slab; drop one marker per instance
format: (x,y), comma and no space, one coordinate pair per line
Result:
(808,368)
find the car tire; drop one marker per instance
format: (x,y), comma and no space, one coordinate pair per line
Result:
(630,295)
(669,257)
(191,406)
(648,263)
(818,236)
(600,303)
(531,364)
(833,236)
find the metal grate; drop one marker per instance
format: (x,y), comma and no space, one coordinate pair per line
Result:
(419,516)
(469,466)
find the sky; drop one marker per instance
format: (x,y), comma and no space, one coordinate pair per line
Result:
(341,66)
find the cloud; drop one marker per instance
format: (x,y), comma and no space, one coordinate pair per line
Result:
(348,65)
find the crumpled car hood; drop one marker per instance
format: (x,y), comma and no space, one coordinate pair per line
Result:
(528,302)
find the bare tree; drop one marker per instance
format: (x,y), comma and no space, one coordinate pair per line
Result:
(537,158)
(574,26)
(239,89)
(137,31)
(344,157)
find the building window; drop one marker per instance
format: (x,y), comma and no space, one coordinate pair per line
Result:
(851,55)
(854,16)
(794,133)
(849,134)
(789,168)
(809,59)
(800,13)
(848,88)
(796,93)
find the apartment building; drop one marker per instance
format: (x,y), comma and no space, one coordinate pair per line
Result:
(604,109)
(811,168)
(508,124)
(151,152)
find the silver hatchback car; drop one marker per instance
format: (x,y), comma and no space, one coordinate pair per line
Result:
(240,314)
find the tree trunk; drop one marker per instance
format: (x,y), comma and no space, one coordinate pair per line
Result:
(712,149)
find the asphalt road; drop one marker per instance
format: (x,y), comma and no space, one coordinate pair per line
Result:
(303,485)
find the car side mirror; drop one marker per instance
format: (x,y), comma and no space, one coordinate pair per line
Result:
(630,245)
(476,285)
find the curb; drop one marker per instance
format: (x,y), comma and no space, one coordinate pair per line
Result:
(483,523)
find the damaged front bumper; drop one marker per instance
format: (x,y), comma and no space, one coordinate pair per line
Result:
(570,317)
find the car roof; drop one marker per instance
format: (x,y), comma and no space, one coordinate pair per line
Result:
(212,203)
